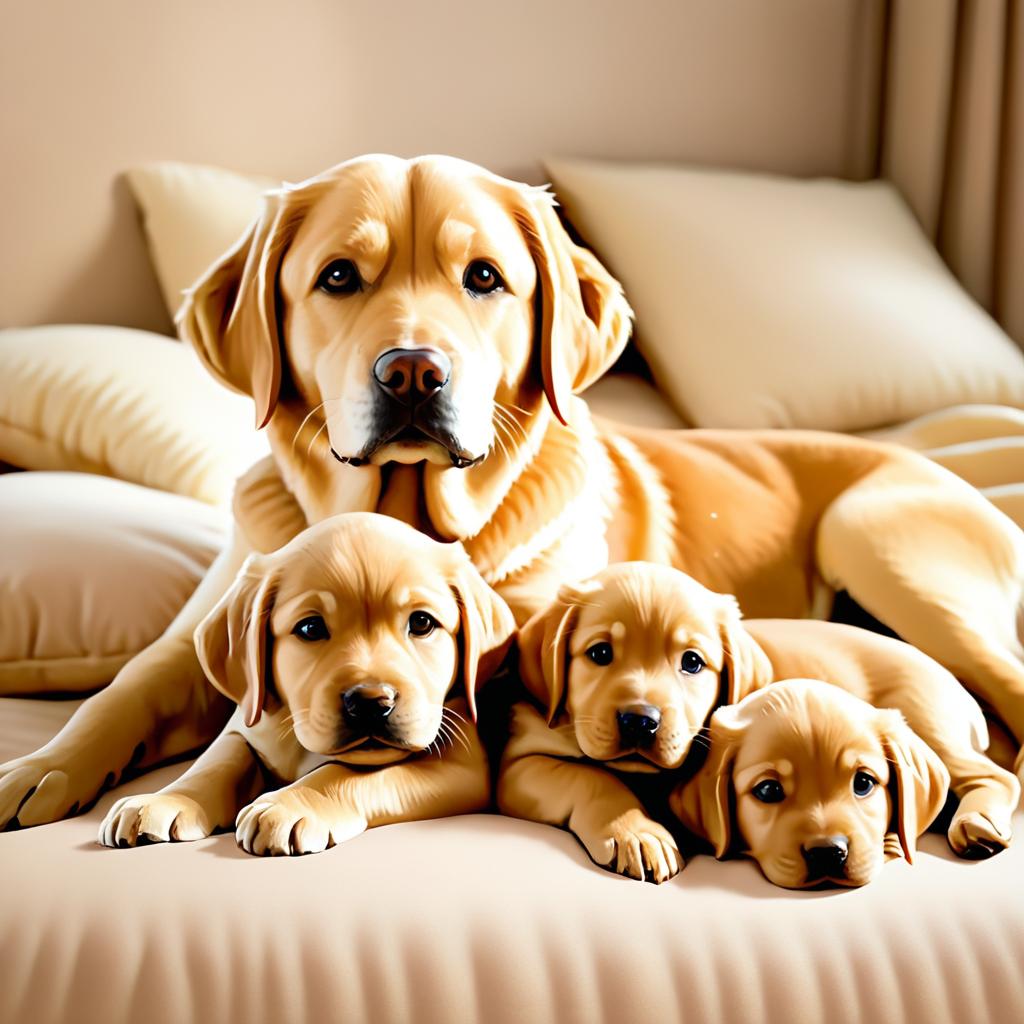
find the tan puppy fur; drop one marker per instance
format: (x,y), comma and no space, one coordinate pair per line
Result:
(341,650)
(652,618)
(803,769)
(380,254)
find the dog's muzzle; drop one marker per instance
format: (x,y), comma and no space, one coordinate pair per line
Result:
(413,406)
(638,724)
(826,858)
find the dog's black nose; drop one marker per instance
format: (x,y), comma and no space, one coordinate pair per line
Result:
(368,704)
(826,857)
(637,724)
(412,375)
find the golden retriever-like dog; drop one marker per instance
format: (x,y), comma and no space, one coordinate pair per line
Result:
(818,786)
(341,650)
(629,664)
(412,334)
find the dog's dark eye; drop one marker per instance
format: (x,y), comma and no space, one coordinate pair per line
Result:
(481,278)
(421,624)
(863,784)
(600,653)
(339,277)
(311,629)
(692,663)
(769,792)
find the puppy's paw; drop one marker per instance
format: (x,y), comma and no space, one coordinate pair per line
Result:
(37,789)
(154,818)
(635,846)
(975,836)
(288,823)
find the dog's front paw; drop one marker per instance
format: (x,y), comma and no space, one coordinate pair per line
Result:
(634,845)
(40,788)
(975,836)
(289,822)
(154,818)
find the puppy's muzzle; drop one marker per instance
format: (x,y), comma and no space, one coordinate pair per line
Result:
(826,857)
(638,724)
(368,705)
(411,376)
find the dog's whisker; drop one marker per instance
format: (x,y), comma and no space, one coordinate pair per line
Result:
(309,447)
(312,412)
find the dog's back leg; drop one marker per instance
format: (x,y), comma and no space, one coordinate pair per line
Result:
(928,556)
(158,706)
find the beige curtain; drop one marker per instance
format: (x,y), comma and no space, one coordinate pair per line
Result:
(952,138)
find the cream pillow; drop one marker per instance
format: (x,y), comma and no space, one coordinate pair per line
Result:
(191,215)
(771,302)
(122,403)
(93,571)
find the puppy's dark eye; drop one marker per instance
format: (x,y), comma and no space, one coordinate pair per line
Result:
(863,784)
(600,653)
(692,663)
(311,629)
(339,277)
(769,792)
(481,278)
(421,624)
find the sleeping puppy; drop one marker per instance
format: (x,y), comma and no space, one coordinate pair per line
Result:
(341,650)
(630,664)
(816,785)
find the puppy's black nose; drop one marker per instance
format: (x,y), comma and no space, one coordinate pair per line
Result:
(638,724)
(368,704)
(826,857)
(412,375)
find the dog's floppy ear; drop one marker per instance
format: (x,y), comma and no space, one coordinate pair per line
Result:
(486,627)
(544,647)
(232,640)
(918,780)
(230,314)
(584,317)
(704,804)
(746,667)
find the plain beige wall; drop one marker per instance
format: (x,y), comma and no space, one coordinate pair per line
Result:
(288,88)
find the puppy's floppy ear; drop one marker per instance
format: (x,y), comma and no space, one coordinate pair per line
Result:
(918,780)
(230,314)
(704,804)
(746,667)
(544,647)
(486,628)
(232,640)
(584,317)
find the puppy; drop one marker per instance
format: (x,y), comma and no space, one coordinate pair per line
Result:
(342,650)
(819,787)
(630,664)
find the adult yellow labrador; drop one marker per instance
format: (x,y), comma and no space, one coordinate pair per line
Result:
(412,333)
(341,650)
(629,665)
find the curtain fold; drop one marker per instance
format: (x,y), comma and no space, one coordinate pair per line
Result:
(952,138)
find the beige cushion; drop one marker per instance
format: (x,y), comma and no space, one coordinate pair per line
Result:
(192,214)
(627,398)
(773,302)
(93,571)
(122,403)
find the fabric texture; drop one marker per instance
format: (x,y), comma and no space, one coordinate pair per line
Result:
(191,215)
(628,398)
(953,138)
(481,918)
(122,403)
(93,571)
(770,302)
